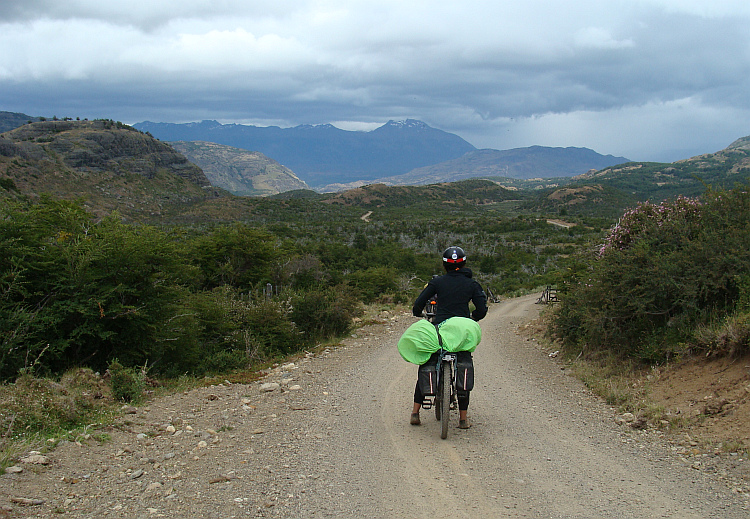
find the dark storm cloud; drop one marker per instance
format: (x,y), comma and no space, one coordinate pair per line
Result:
(645,79)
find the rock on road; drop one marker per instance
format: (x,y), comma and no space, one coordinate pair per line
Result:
(332,439)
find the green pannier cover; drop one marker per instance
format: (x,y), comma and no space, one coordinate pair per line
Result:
(420,340)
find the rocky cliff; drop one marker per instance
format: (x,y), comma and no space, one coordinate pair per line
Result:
(241,172)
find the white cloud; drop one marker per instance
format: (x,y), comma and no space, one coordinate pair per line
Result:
(229,52)
(598,38)
(703,8)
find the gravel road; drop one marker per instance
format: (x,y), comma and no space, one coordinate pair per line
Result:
(333,440)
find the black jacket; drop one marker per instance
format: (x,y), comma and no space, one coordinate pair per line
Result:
(454,290)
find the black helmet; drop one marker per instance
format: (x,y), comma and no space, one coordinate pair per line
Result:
(454,258)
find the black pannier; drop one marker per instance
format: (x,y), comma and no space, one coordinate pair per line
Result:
(428,377)
(464,371)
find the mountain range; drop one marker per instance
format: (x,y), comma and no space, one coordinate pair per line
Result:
(398,153)
(323,154)
(113,167)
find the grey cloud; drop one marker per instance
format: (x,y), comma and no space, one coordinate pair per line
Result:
(496,73)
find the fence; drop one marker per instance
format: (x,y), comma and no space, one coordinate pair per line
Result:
(268,291)
(549,295)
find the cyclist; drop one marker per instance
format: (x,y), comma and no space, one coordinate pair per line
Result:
(455,289)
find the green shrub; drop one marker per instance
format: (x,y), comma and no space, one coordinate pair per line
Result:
(373,283)
(223,361)
(731,336)
(126,384)
(662,271)
(34,405)
(270,329)
(325,313)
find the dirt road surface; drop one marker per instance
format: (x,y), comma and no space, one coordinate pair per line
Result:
(333,440)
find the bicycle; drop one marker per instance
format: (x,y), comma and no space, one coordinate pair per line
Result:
(431,308)
(444,394)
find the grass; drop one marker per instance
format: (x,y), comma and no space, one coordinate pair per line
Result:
(617,380)
(610,378)
(38,413)
(735,446)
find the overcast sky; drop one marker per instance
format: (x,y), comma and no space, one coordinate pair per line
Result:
(645,79)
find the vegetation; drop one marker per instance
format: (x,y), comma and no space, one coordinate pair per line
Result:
(76,291)
(669,278)
(96,302)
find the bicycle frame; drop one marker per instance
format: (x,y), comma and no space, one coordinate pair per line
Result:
(443,356)
(451,358)
(446,399)
(430,308)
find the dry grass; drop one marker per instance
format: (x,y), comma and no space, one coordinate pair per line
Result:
(34,411)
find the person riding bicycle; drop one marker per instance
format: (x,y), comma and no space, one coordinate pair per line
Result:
(455,289)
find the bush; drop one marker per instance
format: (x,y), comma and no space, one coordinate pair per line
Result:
(271,330)
(325,313)
(374,283)
(662,271)
(126,383)
(79,292)
(729,337)
(40,405)
(223,361)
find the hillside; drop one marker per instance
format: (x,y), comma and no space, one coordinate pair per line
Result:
(109,165)
(12,120)
(450,196)
(687,177)
(241,172)
(612,190)
(520,163)
(324,154)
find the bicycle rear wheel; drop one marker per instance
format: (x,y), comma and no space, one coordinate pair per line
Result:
(446,378)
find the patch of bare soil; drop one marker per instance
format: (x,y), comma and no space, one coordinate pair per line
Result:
(707,403)
(704,399)
(710,397)
(561,223)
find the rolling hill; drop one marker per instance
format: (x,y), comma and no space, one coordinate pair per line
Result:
(12,120)
(613,189)
(521,163)
(109,165)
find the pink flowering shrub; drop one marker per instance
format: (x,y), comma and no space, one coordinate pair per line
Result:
(662,271)
(648,218)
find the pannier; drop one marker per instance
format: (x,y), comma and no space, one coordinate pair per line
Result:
(464,371)
(428,377)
